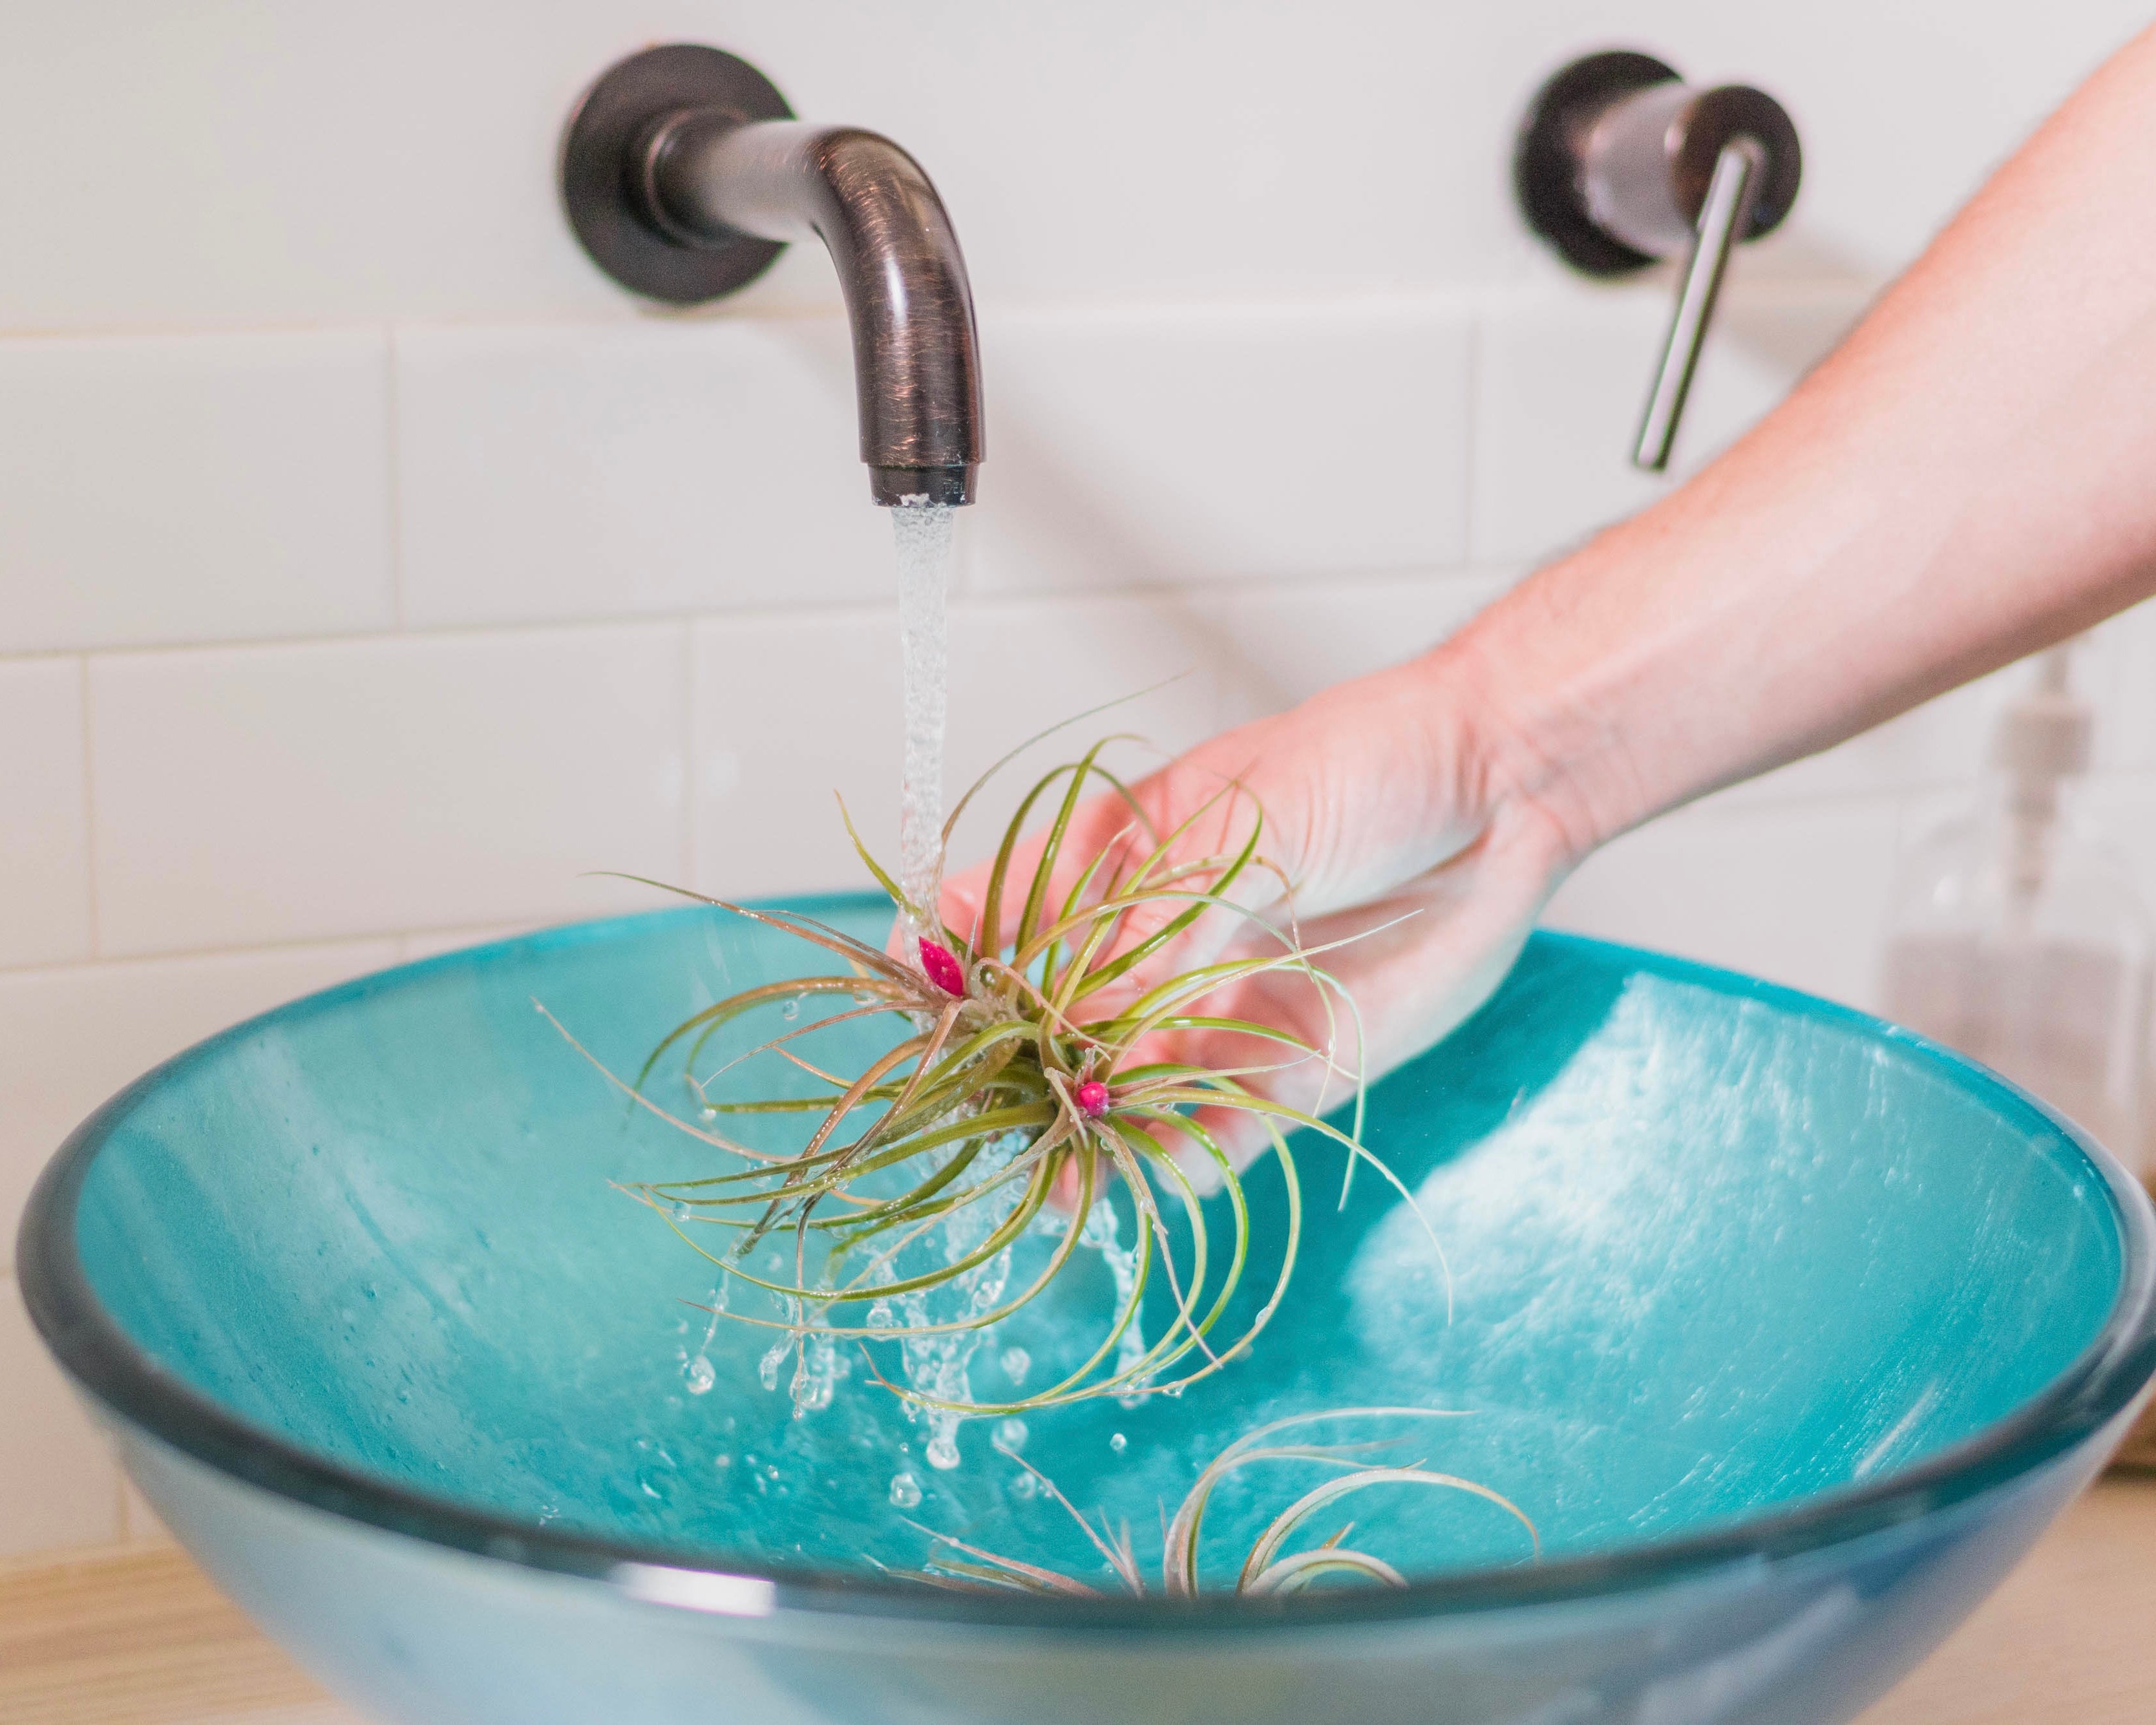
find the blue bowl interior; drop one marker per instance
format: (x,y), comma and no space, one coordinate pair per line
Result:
(1716,1249)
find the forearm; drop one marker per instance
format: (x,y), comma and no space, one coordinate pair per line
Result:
(1972,476)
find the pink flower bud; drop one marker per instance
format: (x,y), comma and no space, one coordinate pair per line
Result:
(1092,1098)
(941,969)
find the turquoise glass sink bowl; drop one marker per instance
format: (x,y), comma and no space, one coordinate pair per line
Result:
(1789,1330)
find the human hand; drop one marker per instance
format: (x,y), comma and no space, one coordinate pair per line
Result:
(1396,835)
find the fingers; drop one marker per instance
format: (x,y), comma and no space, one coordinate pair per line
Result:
(1377,826)
(1407,969)
(1170,835)
(1349,795)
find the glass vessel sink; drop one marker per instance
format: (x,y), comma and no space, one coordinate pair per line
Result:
(1789,1330)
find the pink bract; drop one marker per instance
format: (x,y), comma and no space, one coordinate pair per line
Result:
(942,968)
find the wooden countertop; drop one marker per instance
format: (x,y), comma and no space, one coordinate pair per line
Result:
(141,1638)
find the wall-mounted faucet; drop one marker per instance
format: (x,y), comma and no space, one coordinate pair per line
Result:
(1620,162)
(685,174)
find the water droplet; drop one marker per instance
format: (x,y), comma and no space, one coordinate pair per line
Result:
(723,1462)
(905,1490)
(1024,1485)
(1173,1392)
(774,1357)
(708,1112)
(881,1315)
(1011,1434)
(1016,1363)
(698,1375)
(943,1450)
(1119,1443)
(792,1009)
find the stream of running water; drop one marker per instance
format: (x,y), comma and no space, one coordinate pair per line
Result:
(923,533)
(937,1365)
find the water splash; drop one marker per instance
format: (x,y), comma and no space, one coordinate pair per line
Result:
(774,1357)
(819,1369)
(697,1372)
(922,531)
(1100,1234)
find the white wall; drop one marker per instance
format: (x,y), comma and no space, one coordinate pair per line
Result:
(370,567)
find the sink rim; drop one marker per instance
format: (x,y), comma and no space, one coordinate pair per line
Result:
(108,1366)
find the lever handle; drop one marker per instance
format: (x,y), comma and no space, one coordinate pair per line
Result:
(1730,196)
(1620,162)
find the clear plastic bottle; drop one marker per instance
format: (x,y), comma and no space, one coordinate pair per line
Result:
(2018,936)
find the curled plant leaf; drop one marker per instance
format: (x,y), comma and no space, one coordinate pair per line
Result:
(1027,1075)
(1269,1569)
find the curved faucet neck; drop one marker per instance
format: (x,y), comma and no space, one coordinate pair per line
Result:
(705,175)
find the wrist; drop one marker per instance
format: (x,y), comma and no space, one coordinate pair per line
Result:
(1540,720)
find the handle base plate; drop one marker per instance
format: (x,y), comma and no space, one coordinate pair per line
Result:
(597,168)
(1552,142)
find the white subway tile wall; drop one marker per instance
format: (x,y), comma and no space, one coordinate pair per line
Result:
(546,473)
(371,568)
(1278,442)
(246,795)
(193,488)
(44,814)
(1560,384)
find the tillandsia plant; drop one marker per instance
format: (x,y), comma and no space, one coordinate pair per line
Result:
(1036,1073)
(1269,1568)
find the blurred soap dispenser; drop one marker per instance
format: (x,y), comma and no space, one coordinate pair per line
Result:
(2017,935)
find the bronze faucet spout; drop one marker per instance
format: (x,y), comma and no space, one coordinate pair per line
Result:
(917,363)
(684,175)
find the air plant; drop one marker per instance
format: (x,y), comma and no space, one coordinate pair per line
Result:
(1035,1069)
(1269,1568)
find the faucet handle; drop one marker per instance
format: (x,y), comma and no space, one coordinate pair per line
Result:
(1620,163)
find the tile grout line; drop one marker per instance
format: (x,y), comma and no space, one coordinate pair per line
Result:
(1314,583)
(691,778)
(1470,294)
(256,949)
(1470,417)
(392,477)
(89,811)
(846,611)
